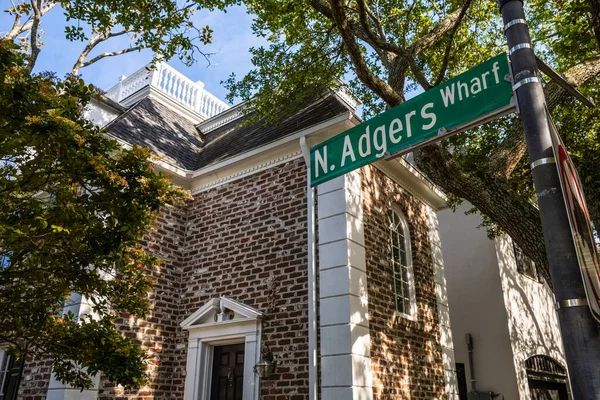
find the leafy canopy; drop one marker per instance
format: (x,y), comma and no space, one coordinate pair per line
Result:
(73,208)
(167,27)
(391,50)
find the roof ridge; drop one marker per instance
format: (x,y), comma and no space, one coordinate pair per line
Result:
(123,114)
(220,119)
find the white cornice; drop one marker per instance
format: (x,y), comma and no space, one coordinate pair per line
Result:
(223,121)
(245,313)
(248,171)
(286,154)
(343,94)
(220,119)
(399,170)
(167,167)
(423,178)
(211,305)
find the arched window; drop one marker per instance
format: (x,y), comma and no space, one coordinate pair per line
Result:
(547,379)
(401,260)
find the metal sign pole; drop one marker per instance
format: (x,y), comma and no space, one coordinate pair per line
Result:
(580,332)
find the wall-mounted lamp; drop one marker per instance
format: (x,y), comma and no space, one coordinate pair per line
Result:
(266,366)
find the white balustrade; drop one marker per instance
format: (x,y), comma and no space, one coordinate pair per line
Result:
(174,85)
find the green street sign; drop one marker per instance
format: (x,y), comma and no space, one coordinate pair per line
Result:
(465,101)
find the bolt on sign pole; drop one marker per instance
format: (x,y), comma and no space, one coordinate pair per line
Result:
(580,331)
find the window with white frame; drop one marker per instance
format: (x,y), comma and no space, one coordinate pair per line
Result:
(401,260)
(5,367)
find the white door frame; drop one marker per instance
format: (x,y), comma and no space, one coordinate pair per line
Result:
(221,322)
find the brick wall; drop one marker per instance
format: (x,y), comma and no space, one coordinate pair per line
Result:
(406,356)
(35,379)
(247,240)
(157,332)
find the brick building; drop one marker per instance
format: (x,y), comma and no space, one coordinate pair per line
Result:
(236,285)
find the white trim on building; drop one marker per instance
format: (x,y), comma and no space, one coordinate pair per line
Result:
(221,321)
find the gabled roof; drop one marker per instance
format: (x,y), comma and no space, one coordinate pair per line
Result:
(178,142)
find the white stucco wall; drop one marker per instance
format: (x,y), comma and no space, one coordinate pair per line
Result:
(532,319)
(510,316)
(477,302)
(344,306)
(57,390)
(441,295)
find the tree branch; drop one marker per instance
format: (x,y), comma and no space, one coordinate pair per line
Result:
(450,23)
(14,31)
(29,23)
(35,50)
(401,58)
(361,68)
(492,197)
(93,42)
(453,31)
(385,56)
(378,40)
(581,73)
(435,34)
(419,75)
(111,54)
(409,60)
(512,149)
(377,21)
(595,10)
(397,74)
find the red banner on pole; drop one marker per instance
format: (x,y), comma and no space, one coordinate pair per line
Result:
(579,219)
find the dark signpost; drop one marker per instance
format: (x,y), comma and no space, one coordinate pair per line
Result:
(480,95)
(580,331)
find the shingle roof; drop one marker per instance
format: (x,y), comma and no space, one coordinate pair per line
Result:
(101,97)
(236,138)
(151,124)
(174,138)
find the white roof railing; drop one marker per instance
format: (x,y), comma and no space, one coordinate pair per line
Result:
(171,83)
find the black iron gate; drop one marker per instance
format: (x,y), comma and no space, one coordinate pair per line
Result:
(547,379)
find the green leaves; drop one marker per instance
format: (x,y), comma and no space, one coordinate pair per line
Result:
(391,50)
(305,57)
(101,348)
(73,208)
(165,26)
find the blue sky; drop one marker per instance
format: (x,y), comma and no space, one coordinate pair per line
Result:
(232,38)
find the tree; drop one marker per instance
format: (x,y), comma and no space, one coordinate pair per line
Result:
(164,26)
(393,49)
(73,208)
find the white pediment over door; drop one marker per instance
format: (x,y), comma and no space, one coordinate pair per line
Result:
(221,321)
(221,310)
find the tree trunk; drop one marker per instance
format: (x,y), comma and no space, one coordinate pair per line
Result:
(515,215)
